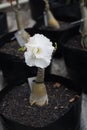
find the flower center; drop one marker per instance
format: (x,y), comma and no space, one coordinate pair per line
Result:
(36,51)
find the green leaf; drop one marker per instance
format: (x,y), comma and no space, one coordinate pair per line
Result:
(22,48)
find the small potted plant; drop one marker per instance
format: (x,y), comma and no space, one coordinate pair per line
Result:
(45,102)
(75,51)
(51,25)
(10,43)
(39,56)
(21,35)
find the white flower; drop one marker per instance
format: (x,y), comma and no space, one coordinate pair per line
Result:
(39,51)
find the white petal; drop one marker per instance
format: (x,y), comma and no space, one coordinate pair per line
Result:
(30,61)
(41,63)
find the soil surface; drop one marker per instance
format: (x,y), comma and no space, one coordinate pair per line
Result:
(15,105)
(12,48)
(75,43)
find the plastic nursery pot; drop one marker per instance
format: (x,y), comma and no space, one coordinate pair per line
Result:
(65,118)
(3,23)
(70,12)
(58,36)
(9,46)
(75,58)
(12,64)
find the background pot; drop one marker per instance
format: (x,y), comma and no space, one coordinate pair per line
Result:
(58,36)
(70,120)
(76,63)
(70,12)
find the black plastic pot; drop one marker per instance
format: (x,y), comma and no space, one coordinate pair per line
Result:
(68,121)
(76,63)
(70,12)
(58,36)
(3,23)
(11,64)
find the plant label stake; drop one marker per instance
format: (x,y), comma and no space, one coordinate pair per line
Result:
(21,37)
(45,19)
(30,81)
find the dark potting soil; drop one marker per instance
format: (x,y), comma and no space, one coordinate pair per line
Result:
(12,48)
(75,43)
(15,105)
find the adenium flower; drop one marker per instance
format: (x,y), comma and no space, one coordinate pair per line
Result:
(39,51)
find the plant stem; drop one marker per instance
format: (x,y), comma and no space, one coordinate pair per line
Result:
(51,21)
(83,29)
(38,94)
(17,15)
(18,20)
(23,36)
(40,75)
